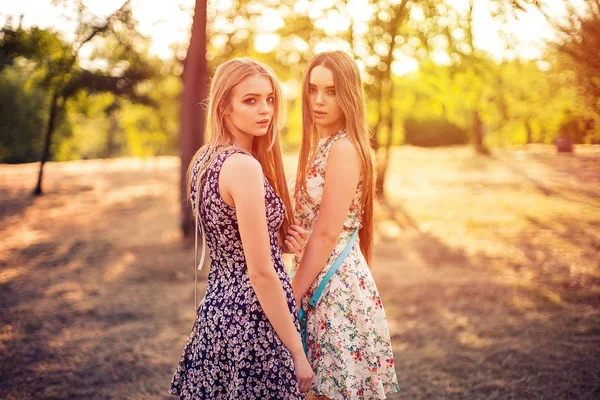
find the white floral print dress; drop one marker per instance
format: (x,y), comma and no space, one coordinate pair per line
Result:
(348,340)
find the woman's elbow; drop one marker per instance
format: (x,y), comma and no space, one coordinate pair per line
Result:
(326,236)
(260,276)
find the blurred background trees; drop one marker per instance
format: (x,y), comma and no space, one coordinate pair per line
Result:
(52,64)
(429,78)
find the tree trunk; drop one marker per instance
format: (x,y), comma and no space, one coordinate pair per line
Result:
(386,93)
(478,134)
(48,140)
(374,139)
(113,125)
(382,168)
(529,131)
(192,114)
(383,162)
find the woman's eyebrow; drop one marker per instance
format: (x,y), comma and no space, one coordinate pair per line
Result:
(326,87)
(256,94)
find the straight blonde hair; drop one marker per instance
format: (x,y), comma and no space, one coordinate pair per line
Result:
(350,96)
(266,149)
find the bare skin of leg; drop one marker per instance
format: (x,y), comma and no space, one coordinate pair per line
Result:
(317,398)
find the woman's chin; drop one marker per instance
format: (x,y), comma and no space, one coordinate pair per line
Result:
(261,132)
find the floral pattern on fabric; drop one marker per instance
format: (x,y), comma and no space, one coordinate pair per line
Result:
(233,352)
(348,338)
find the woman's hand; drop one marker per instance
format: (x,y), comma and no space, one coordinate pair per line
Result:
(298,300)
(295,239)
(304,373)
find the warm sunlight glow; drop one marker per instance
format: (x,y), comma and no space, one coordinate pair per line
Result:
(333,23)
(266,42)
(404,66)
(270,21)
(440,57)
(361,10)
(167,23)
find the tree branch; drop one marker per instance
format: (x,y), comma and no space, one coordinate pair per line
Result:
(101,28)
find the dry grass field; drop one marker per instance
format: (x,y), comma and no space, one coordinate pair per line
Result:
(489,269)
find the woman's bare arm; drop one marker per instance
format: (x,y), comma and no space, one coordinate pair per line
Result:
(341,181)
(241,180)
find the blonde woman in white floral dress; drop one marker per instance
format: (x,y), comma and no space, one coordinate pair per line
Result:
(347,337)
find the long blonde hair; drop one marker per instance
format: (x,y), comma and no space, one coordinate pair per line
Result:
(350,96)
(265,149)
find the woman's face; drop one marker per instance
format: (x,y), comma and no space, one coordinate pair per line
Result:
(251,106)
(326,110)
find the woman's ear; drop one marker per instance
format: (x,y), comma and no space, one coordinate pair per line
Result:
(225,108)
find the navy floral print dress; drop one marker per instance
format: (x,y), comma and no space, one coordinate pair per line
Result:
(233,351)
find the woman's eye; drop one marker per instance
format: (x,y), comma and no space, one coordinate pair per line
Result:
(331,92)
(271,99)
(250,101)
(311,90)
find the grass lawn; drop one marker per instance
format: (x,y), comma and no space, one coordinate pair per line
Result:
(489,270)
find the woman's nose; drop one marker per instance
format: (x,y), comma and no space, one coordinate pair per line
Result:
(319,99)
(265,108)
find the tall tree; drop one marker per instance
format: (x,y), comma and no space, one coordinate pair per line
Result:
(577,44)
(195,73)
(58,69)
(390,19)
(62,86)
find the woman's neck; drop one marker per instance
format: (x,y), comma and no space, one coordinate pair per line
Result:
(325,131)
(241,139)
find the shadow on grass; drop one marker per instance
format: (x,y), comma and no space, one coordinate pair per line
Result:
(14,202)
(102,307)
(564,260)
(63,337)
(461,331)
(582,182)
(468,341)
(399,215)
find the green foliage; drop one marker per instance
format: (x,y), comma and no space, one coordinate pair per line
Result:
(142,129)
(292,135)
(96,101)
(43,47)
(432,132)
(22,117)
(120,101)
(105,125)
(576,128)
(518,101)
(87,116)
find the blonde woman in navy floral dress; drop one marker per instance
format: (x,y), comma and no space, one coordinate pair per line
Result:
(245,343)
(347,334)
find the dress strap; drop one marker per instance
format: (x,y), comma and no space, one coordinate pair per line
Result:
(333,138)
